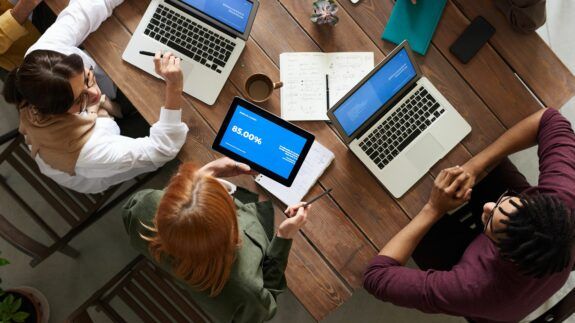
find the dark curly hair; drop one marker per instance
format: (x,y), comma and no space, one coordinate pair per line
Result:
(539,236)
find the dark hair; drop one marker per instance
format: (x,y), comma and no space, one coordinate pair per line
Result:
(539,236)
(43,81)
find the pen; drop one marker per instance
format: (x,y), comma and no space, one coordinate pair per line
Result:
(317,197)
(146,53)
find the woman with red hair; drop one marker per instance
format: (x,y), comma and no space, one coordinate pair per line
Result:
(217,239)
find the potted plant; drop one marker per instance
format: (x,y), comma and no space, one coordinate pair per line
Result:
(23,304)
(324,12)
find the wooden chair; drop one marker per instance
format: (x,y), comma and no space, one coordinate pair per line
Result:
(142,289)
(77,210)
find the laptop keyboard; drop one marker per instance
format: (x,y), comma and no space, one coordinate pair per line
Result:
(190,38)
(407,122)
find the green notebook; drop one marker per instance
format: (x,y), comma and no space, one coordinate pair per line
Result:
(416,23)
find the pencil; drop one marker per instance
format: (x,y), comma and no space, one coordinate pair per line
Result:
(317,197)
(146,53)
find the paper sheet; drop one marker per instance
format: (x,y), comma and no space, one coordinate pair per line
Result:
(304,95)
(315,163)
(345,70)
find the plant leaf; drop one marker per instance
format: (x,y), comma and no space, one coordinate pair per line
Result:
(3,262)
(20,317)
(16,305)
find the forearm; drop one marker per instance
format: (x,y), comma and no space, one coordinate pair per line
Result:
(23,9)
(402,245)
(275,264)
(521,136)
(173,98)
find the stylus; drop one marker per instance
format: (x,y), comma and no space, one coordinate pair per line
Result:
(317,197)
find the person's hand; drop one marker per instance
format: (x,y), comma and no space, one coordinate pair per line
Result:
(168,67)
(448,183)
(23,9)
(472,175)
(297,218)
(414,1)
(226,167)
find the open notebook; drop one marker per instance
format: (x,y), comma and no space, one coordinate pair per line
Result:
(314,165)
(314,82)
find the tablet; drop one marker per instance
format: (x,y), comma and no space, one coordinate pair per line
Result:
(269,144)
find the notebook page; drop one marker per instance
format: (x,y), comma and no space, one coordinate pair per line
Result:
(314,165)
(345,70)
(303,95)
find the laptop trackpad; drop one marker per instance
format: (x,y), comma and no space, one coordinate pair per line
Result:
(425,152)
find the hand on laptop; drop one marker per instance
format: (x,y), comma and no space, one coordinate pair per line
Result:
(168,66)
(227,167)
(448,183)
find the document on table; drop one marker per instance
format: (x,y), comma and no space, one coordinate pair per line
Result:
(314,165)
(314,82)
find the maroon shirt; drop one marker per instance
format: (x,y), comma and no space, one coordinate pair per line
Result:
(483,286)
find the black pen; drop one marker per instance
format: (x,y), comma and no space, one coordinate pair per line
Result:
(317,197)
(146,53)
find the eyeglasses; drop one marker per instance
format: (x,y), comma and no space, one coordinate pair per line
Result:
(504,197)
(89,81)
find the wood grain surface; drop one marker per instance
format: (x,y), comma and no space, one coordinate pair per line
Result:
(346,230)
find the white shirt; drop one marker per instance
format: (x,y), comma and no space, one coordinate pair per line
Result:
(107,158)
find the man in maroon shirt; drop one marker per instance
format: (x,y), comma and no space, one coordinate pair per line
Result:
(520,254)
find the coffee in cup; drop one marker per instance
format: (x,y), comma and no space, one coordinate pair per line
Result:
(259,87)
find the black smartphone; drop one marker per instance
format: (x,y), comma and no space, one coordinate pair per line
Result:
(472,39)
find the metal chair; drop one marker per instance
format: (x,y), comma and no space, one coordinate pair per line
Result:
(77,210)
(144,290)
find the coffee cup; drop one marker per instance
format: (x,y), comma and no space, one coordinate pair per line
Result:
(259,87)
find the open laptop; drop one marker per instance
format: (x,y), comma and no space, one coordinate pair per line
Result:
(209,36)
(397,123)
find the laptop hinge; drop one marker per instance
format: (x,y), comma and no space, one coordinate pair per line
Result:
(179,6)
(392,104)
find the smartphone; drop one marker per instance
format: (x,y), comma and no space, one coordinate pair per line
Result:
(472,39)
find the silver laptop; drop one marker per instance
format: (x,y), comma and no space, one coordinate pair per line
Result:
(397,123)
(209,36)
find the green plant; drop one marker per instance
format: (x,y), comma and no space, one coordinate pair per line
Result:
(10,305)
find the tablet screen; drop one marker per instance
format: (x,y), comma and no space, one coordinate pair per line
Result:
(265,142)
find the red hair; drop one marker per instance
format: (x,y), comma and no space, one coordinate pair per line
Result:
(196,225)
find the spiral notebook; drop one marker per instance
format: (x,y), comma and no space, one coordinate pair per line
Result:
(314,165)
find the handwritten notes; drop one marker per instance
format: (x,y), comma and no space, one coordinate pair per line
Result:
(307,77)
(314,165)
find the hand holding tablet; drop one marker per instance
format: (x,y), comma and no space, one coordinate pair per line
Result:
(265,142)
(227,167)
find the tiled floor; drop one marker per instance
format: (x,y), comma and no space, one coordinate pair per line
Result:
(105,250)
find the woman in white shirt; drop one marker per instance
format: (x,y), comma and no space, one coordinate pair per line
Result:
(58,90)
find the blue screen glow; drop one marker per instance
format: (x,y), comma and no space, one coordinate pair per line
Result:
(263,142)
(375,92)
(234,13)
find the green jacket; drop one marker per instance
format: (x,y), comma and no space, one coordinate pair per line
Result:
(257,276)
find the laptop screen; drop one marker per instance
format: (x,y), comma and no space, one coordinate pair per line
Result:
(375,92)
(232,13)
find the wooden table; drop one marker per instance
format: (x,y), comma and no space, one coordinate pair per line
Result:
(345,231)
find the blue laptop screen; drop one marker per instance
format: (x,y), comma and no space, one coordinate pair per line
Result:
(375,92)
(234,13)
(262,142)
